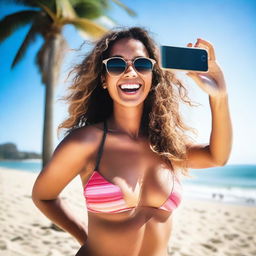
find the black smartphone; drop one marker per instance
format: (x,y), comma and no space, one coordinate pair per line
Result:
(184,58)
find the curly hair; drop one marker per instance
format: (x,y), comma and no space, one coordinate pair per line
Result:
(161,121)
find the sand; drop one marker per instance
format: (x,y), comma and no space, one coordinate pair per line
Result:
(200,227)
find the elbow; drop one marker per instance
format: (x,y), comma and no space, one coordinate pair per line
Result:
(221,162)
(36,193)
(37,200)
(39,197)
(34,197)
(220,159)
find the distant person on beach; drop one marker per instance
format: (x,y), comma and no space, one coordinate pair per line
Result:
(127,141)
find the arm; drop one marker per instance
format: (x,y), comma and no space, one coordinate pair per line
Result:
(62,216)
(68,160)
(221,135)
(213,83)
(217,152)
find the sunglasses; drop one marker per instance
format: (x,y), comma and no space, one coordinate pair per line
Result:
(116,66)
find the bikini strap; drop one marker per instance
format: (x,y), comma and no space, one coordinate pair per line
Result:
(101,146)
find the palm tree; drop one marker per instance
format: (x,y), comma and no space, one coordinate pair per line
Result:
(47,18)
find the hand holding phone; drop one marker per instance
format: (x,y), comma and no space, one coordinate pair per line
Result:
(184,58)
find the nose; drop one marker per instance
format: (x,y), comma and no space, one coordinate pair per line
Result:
(130,71)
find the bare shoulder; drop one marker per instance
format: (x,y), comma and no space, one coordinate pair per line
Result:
(81,142)
(84,135)
(68,160)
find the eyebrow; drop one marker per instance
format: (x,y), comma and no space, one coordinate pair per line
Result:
(125,59)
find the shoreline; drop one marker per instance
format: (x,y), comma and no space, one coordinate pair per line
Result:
(199,228)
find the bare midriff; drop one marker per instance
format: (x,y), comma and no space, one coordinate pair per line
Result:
(144,231)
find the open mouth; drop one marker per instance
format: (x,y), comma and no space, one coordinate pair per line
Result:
(130,88)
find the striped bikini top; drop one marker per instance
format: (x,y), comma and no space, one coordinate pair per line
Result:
(104,197)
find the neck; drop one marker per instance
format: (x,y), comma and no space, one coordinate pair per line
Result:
(126,120)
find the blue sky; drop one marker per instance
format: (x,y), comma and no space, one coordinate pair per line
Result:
(228,25)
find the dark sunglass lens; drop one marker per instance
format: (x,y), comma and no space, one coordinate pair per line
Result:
(116,66)
(143,65)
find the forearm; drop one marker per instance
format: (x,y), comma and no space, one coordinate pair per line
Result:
(221,134)
(57,212)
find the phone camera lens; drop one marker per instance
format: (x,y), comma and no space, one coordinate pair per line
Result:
(203,58)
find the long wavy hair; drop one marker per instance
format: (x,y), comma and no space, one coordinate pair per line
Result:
(161,122)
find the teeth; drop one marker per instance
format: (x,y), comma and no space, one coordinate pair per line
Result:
(130,86)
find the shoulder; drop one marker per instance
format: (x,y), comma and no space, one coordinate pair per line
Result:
(67,161)
(86,136)
(73,152)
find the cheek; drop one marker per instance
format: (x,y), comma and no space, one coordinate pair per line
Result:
(149,80)
(111,81)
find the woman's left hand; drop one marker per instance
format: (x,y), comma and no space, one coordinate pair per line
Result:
(212,81)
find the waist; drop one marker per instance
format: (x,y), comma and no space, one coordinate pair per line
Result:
(131,236)
(117,249)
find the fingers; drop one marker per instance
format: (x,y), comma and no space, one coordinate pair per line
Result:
(206,45)
(200,43)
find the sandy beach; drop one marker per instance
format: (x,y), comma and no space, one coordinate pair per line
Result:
(200,227)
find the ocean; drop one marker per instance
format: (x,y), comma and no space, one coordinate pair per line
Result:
(228,184)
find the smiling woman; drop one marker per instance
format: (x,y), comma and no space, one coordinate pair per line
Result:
(127,141)
(130,58)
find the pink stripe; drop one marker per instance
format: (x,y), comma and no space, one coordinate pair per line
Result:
(103,200)
(103,189)
(174,199)
(103,196)
(113,211)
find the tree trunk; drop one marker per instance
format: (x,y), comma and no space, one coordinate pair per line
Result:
(51,81)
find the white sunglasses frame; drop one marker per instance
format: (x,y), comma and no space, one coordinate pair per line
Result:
(127,64)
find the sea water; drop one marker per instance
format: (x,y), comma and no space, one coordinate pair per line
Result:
(229,184)
(31,165)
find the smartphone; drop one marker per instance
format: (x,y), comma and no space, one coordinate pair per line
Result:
(184,58)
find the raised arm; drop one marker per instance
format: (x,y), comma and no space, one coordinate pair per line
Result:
(217,152)
(68,160)
(221,135)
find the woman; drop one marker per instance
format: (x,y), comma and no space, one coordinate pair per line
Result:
(126,140)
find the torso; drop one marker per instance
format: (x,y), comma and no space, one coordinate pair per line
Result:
(146,182)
